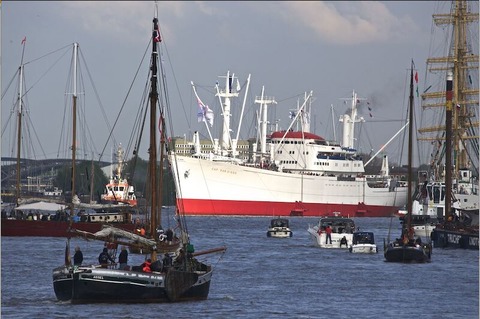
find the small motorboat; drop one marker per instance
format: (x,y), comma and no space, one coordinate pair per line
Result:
(332,232)
(279,228)
(363,243)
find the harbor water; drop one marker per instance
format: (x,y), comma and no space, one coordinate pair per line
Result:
(261,277)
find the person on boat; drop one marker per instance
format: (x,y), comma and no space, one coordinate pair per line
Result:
(328,231)
(104,257)
(146,265)
(78,257)
(343,241)
(123,259)
(169,234)
(142,231)
(405,239)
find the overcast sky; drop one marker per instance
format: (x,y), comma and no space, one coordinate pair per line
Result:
(290,48)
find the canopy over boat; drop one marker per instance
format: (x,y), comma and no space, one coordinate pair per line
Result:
(42,206)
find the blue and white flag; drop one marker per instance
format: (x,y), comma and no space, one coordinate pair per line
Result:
(204,114)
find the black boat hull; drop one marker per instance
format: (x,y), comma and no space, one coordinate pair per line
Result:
(98,285)
(445,238)
(407,254)
(62,283)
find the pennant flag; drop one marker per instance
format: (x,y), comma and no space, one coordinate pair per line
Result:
(417,91)
(238,86)
(416,77)
(160,121)
(24,40)
(156,36)
(369,108)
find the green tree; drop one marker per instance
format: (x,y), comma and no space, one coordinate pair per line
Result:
(139,170)
(83,179)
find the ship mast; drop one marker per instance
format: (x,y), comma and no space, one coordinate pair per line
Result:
(349,121)
(153,135)
(19,126)
(264,101)
(461,60)
(448,142)
(226,94)
(410,152)
(74,123)
(19,132)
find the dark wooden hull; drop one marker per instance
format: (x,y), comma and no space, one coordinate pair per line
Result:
(119,286)
(62,283)
(407,253)
(18,227)
(445,238)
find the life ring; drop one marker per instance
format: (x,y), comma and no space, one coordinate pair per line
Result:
(162,237)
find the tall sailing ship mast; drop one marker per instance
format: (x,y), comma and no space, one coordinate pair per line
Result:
(460,58)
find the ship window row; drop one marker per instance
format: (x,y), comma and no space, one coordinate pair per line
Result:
(242,146)
(322,163)
(288,162)
(116,188)
(288,142)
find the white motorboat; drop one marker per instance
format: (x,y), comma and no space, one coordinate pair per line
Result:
(363,243)
(279,228)
(341,232)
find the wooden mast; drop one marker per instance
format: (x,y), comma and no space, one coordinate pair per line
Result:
(153,133)
(448,142)
(74,126)
(19,133)
(410,153)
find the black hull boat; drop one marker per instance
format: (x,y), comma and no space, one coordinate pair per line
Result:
(63,282)
(100,285)
(176,276)
(458,232)
(408,253)
(407,248)
(456,194)
(445,238)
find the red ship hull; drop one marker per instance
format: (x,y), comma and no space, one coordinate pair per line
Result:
(250,208)
(18,227)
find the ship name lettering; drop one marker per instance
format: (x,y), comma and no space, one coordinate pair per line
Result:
(452,238)
(223,170)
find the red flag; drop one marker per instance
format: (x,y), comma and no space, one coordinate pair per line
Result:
(24,40)
(416,77)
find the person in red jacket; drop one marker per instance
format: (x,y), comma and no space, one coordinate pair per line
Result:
(328,231)
(146,265)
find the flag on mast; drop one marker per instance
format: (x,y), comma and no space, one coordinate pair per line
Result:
(205,114)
